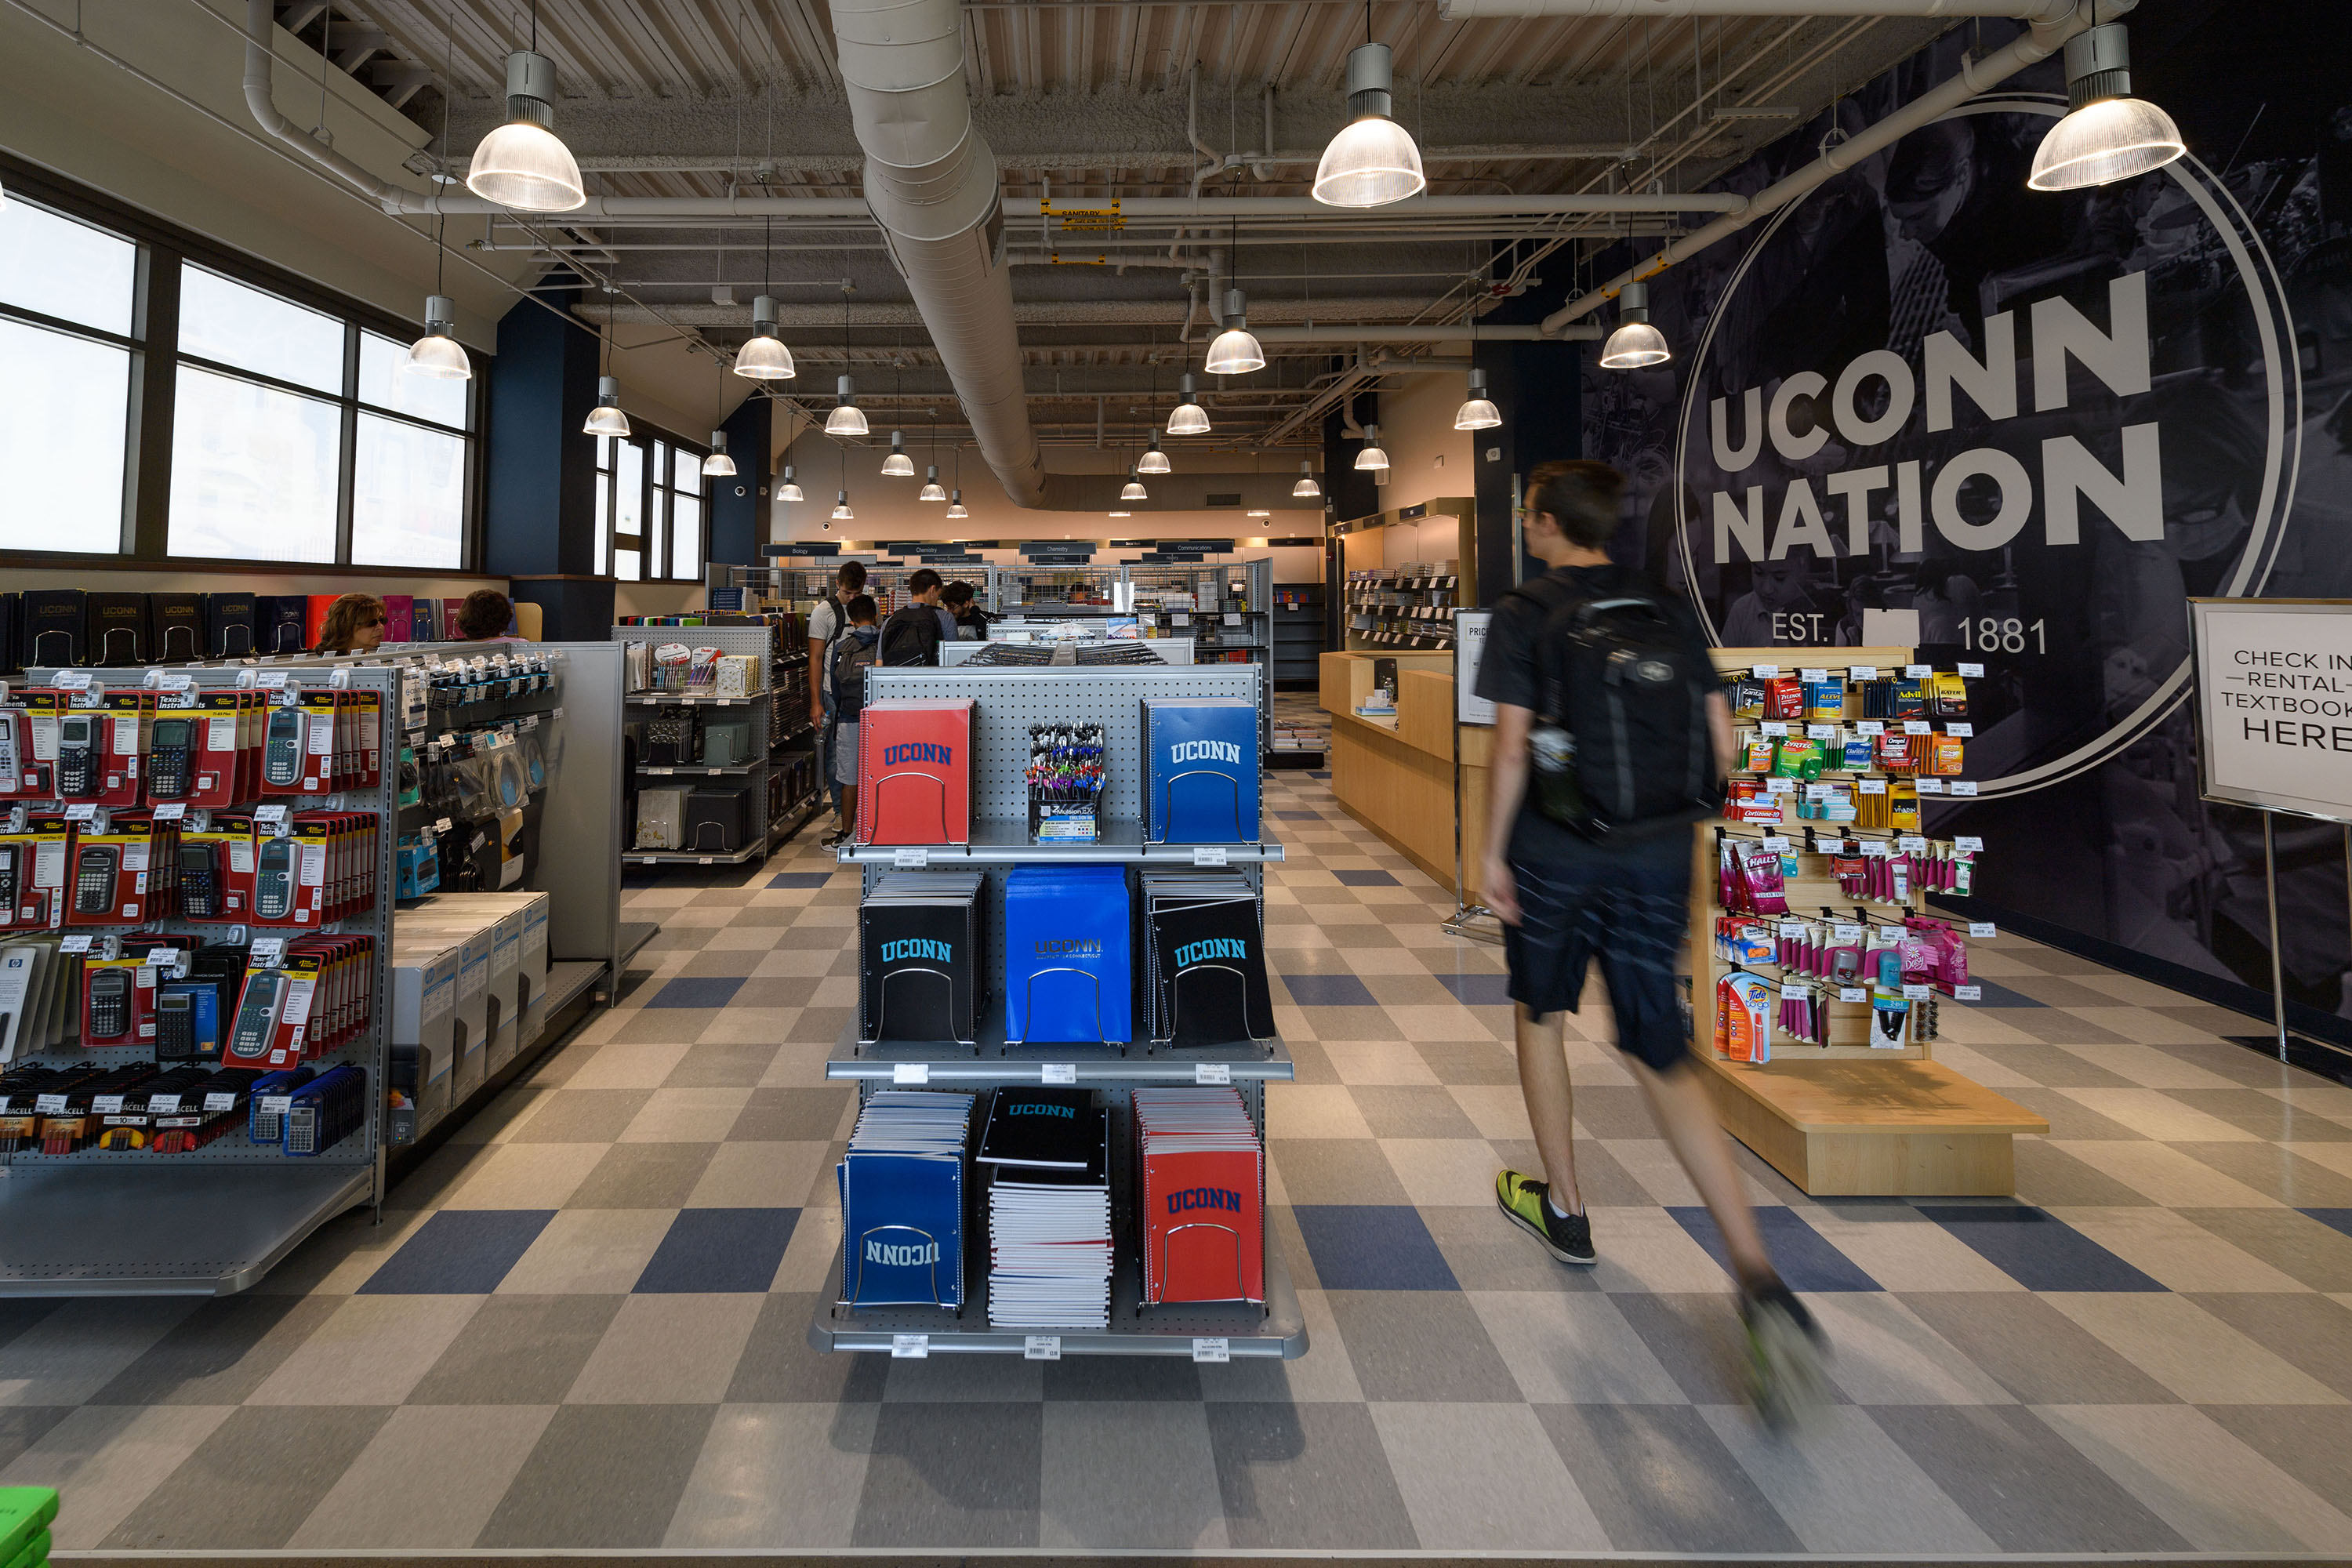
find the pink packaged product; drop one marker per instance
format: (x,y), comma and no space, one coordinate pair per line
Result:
(1760,871)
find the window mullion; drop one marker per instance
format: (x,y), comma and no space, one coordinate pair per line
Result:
(348,426)
(155,375)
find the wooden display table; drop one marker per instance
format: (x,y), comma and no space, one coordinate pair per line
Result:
(1397,778)
(1894,1129)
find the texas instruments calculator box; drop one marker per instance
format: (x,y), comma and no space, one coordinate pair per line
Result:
(1201,764)
(914,772)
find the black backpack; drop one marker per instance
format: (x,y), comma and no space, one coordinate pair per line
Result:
(1621,745)
(911,636)
(851,657)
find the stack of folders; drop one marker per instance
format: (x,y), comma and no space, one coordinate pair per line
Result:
(918,957)
(1048,1151)
(1201,1185)
(1203,952)
(914,772)
(1201,770)
(1068,978)
(902,1192)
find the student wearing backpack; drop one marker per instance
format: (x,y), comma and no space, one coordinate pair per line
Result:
(825,623)
(852,653)
(913,633)
(1611,738)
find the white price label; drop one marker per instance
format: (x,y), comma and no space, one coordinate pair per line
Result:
(1873,848)
(1212,1072)
(1846,933)
(1779,786)
(1869,786)
(82,811)
(1791,991)
(70,680)
(910,1072)
(1917,993)
(1870,727)
(1775,843)
(1964,731)
(1887,936)
(1813,675)
(1821,732)
(276,1104)
(1792,928)
(1973,672)
(49,1104)
(1918,672)
(1211,1349)
(1911,844)
(164,1104)
(1765,671)
(79,943)
(1918,727)
(1983,929)
(171,810)
(1861,672)
(1058,1072)
(108,1105)
(1929,784)
(1964,786)
(911,1347)
(1774,727)
(216,1102)
(1968,992)
(1970,845)
(1853,993)
(1208,855)
(910,857)
(1040,1347)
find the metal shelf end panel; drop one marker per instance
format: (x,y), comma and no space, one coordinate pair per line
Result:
(1008,842)
(211,1230)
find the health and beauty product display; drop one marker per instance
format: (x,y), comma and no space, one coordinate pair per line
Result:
(1858,744)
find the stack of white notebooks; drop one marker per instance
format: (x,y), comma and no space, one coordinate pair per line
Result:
(1048,1153)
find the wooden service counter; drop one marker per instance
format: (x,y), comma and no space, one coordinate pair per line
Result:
(1397,778)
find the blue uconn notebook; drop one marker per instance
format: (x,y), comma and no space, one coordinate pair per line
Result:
(1067,977)
(1201,770)
(902,1200)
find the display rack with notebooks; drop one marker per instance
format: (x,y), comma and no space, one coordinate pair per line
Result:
(903,1201)
(1047,1155)
(1075,1001)
(920,973)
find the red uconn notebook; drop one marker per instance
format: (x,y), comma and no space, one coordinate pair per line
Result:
(1200,1184)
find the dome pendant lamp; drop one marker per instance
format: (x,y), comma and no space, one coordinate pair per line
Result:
(523,165)
(898,464)
(1189,419)
(789,491)
(1635,343)
(847,418)
(1154,461)
(1305,487)
(437,353)
(1133,490)
(955,506)
(930,490)
(763,356)
(2109,135)
(841,513)
(606,419)
(1372,161)
(718,464)
(1236,351)
(1371,457)
(1478,411)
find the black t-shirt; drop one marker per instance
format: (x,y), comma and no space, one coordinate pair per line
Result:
(1509,672)
(911,634)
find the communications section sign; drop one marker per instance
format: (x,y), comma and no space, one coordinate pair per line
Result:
(2274,703)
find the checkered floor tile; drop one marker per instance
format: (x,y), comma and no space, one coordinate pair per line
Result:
(583,1323)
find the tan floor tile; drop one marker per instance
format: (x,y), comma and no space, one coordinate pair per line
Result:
(2164,1176)
(588,1252)
(1378,1062)
(463,1457)
(623,1065)
(525,1176)
(1445,1172)
(103,1459)
(761,1175)
(2189,1349)
(687,1116)
(669,1350)
(2174,1250)
(371,1352)
(2155,1114)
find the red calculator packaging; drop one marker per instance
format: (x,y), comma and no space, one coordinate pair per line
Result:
(914,772)
(23,775)
(112,877)
(1201,1188)
(123,751)
(217,762)
(325,709)
(368,750)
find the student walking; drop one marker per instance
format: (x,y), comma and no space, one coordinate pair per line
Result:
(853,653)
(1612,737)
(825,623)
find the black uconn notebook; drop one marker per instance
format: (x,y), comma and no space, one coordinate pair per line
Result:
(1049,1128)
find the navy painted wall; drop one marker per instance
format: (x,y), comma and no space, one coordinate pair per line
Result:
(739,507)
(541,484)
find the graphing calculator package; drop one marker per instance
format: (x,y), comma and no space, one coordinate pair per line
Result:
(285,746)
(122,749)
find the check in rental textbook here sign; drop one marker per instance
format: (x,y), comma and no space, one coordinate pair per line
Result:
(2274,703)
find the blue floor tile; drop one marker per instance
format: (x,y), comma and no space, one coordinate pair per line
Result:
(459,1252)
(720,1249)
(1372,1246)
(1478,989)
(2339,1219)
(1328,991)
(1365,878)
(2003,996)
(1318,775)
(1299,815)
(1806,1259)
(800,879)
(2037,1251)
(696,991)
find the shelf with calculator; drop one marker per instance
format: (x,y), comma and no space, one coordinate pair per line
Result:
(724,761)
(1819,976)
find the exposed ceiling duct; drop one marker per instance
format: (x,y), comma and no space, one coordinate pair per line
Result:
(1651,10)
(931,183)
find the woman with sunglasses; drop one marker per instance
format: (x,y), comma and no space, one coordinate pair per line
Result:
(354,624)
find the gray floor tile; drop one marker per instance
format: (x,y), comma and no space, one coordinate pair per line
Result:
(2050,1176)
(253,1481)
(2313,1443)
(2311,1332)
(792,1115)
(780,1367)
(1122,1380)
(1697,1337)
(643,1176)
(2276,1173)
(602,1475)
(2023,1484)
(1659,1479)
(1420,1344)
(1403,1111)
(2037,1352)
(722,1067)
(950,1476)
(18,1315)
(1307,1475)
(22,1426)
(518,1350)
(1601,1179)
(1335,1171)
(1469,1062)
(2293,1244)
(1486,1252)
(582,1115)
(2265,1115)
(219,1354)
(1093,1449)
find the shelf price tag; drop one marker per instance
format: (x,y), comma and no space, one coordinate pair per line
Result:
(1042,1347)
(218,1102)
(1778,845)
(910,1072)
(1968,992)
(1917,993)
(1929,786)
(1846,933)
(1821,732)
(1861,672)
(1973,672)
(1964,786)
(1870,727)
(1792,992)
(1911,844)
(1212,1072)
(1208,855)
(910,857)
(276,1104)
(1887,936)
(1965,732)
(1791,928)
(171,810)
(107,1105)
(1983,929)
(1918,672)
(49,1104)
(1869,786)
(1774,727)
(1058,1072)
(1813,675)
(82,811)
(1853,993)
(1765,671)
(79,943)
(1918,727)
(1212,1348)
(911,1347)
(1969,845)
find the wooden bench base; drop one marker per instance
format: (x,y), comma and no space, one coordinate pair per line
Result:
(1885,1128)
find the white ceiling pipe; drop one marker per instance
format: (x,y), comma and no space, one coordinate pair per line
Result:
(931,181)
(2024,10)
(260,39)
(1168,208)
(2041,41)
(1454,332)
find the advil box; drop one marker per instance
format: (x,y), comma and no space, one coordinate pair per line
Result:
(914,772)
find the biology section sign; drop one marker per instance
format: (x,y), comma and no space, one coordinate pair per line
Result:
(1929,406)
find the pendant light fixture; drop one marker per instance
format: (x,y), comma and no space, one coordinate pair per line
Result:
(2107,134)
(1234,352)
(932,490)
(437,353)
(763,356)
(841,513)
(1133,490)
(847,418)
(898,464)
(523,165)
(1372,161)
(1478,411)
(606,419)
(1305,487)
(789,491)
(1154,461)
(1371,457)
(956,513)
(1635,343)
(1189,419)
(718,464)
(1118,514)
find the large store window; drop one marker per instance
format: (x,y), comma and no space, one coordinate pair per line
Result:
(164,407)
(67,296)
(649,509)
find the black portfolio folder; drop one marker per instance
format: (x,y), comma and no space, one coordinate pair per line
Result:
(918,957)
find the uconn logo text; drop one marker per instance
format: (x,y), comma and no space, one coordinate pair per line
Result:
(915,947)
(1204,1198)
(1193,952)
(918,752)
(907,1256)
(1205,752)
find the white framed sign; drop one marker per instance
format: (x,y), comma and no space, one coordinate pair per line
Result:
(2273,698)
(1469,647)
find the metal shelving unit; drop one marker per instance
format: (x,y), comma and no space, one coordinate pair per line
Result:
(1007,702)
(771,827)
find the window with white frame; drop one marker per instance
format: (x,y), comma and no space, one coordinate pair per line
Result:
(68,297)
(650,507)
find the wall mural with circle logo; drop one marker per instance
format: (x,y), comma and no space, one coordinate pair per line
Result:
(1927,406)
